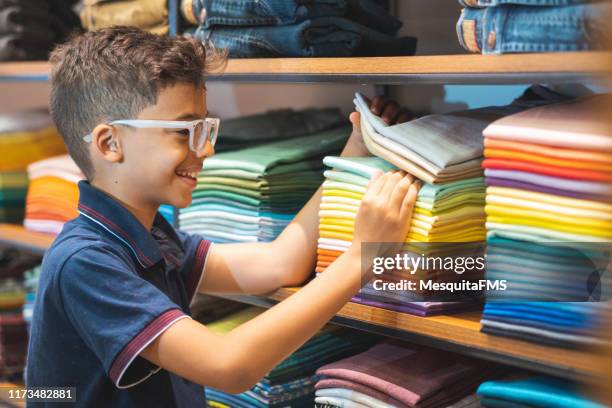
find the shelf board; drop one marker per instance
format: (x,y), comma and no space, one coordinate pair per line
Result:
(463,68)
(458,333)
(19,237)
(468,68)
(24,71)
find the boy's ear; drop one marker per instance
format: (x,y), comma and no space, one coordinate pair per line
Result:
(105,141)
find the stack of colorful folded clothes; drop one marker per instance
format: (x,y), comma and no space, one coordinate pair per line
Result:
(53,194)
(536,392)
(24,138)
(396,375)
(291,383)
(30,284)
(13,333)
(275,125)
(549,220)
(251,195)
(441,148)
(452,212)
(150,15)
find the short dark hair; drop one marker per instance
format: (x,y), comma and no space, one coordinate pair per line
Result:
(115,73)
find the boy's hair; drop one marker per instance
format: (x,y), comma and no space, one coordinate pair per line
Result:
(114,73)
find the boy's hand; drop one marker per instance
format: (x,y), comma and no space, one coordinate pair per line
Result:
(388,110)
(385,211)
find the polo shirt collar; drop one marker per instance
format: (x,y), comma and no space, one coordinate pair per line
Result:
(104,210)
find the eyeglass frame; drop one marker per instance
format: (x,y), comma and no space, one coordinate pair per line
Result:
(171,124)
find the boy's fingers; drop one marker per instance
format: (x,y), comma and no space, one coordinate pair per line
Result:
(404,116)
(390,111)
(378,104)
(393,178)
(400,191)
(410,199)
(375,185)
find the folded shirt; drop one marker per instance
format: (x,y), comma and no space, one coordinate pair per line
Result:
(572,124)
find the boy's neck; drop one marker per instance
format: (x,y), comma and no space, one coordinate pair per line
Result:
(143,212)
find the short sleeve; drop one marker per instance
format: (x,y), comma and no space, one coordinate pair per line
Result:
(115,311)
(196,250)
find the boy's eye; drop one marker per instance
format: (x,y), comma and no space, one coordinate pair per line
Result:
(183,132)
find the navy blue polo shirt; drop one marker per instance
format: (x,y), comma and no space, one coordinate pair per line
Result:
(108,288)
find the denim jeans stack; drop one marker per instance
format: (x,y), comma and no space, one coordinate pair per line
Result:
(30,28)
(297,28)
(509,26)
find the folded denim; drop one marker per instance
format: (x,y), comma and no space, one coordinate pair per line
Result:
(512,28)
(319,37)
(24,47)
(146,14)
(285,12)
(541,3)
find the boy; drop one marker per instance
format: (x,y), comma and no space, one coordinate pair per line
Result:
(112,312)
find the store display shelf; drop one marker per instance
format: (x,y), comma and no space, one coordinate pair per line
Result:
(18,237)
(463,69)
(24,71)
(448,69)
(458,333)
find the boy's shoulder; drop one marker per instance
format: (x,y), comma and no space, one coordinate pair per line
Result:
(80,239)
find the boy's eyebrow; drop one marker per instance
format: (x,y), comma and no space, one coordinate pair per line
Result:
(189,116)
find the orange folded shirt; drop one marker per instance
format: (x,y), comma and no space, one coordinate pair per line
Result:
(549,151)
(539,159)
(554,171)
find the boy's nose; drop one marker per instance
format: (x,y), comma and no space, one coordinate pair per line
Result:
(208,151)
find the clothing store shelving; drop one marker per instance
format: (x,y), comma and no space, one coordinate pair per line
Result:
(457,332)
(18,237)
(440,69)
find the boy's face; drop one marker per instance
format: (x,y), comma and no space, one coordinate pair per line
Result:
(159,159)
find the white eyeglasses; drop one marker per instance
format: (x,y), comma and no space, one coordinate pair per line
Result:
(200,130)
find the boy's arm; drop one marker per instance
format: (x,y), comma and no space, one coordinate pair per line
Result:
(290,259)
(235,361)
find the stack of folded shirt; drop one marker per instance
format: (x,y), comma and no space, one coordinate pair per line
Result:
(549,220)
(440,148)
(298,29)
(30,284)
(24,138)
(13,334)
(291,383)
(30,28)
(281,124)
(396,375)
(13,188)
(452,212)
(510,26)
(53,194)
(150,15)
(251,195)
(536,392)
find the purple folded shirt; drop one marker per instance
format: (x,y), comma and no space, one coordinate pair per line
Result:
(499,182)
(409,374)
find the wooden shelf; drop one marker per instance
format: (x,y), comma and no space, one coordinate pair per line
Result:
(18,237)
(24,71)
(468,68)
(459,333)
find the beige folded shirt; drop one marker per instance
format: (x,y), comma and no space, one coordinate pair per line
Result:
(151,15)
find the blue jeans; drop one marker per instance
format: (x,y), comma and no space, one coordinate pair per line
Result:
(285,12)
(511,28)
(319,37)
(487,3)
